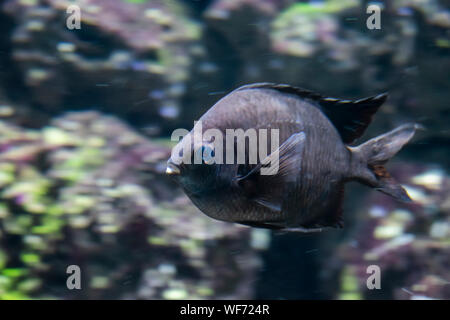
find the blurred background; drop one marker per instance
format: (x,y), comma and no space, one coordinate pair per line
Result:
(85,122)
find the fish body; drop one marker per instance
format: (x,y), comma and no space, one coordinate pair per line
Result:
(315,161)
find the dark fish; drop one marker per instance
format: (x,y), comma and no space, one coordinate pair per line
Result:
(315,159)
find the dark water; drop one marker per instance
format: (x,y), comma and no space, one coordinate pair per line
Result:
(86,116)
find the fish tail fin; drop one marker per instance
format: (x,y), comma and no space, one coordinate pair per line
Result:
(369,159)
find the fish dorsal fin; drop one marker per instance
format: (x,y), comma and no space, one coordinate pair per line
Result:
(285,88)
(350,118)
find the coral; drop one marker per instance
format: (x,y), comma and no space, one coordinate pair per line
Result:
(326,46)
(306,28)
(87,190)
(150,62)
(128,58)
(409,244)
(222,9)
(331,37)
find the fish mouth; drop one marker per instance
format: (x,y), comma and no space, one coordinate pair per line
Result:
(172,169)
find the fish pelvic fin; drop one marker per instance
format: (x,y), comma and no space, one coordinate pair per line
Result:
(368,161)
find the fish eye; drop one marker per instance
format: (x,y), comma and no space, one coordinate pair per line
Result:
(207,154)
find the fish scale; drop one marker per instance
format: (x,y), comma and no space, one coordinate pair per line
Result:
(315,160)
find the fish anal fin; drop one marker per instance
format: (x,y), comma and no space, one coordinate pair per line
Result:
(338,215)
(304,230)
(257,224)
(334,217)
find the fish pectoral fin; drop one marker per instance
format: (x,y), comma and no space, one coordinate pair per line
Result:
(286,160)
(282,163)
(266,182)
